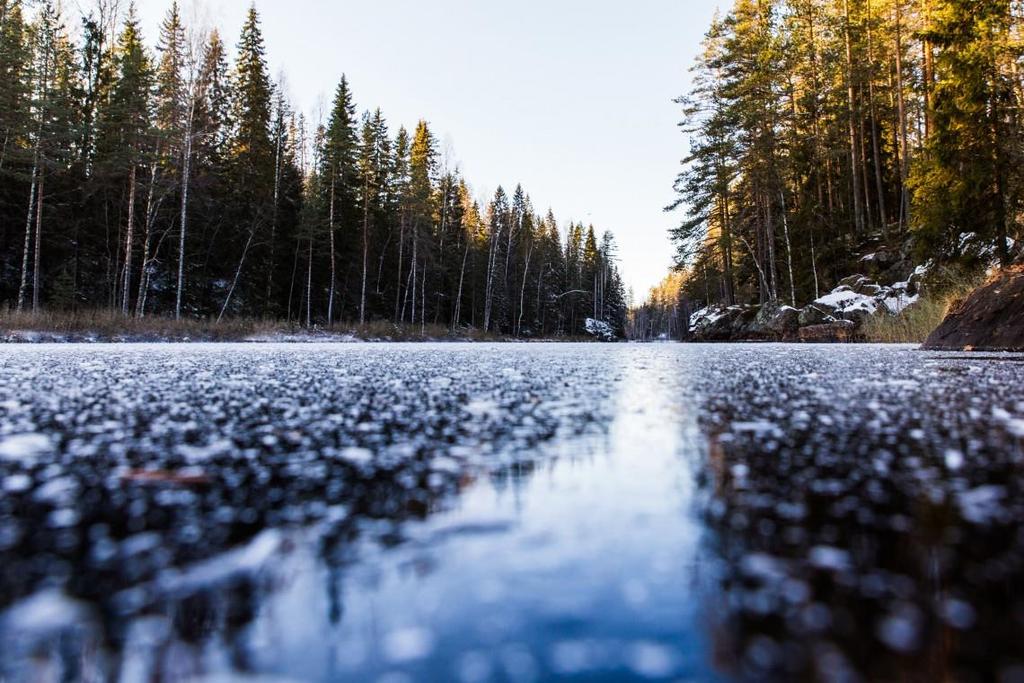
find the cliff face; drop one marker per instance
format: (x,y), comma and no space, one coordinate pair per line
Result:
(990,319)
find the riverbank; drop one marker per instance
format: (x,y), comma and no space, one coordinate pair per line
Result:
(88,327)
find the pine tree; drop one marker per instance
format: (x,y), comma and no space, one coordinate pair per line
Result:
(373,167)
(340,174)
(167,182)
(966,180)
(52,131)
(123,144)
(250,156)
(398,200)
(14,82)
(498,217)
(422,166)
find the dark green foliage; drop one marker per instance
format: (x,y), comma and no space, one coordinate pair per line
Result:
(174,182)
(821,132)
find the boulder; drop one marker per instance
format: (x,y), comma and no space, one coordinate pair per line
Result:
(850,282)
(868,288)
(990,319)
(841,331)
(600,330)
(775,322)
(724,324)
(713,324)
(745,325)
(842,304)
(815,315)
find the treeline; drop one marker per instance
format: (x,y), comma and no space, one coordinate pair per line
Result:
(181,181)
(665,315)
(820,129)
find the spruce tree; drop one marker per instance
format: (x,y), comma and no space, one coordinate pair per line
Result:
(250,165)
(14,82)
(340,177)
(373,167)
(124,145)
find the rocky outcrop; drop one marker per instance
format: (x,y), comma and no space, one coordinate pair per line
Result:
(836,317)
(990,319)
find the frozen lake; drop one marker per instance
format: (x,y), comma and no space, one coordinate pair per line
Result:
(510,513)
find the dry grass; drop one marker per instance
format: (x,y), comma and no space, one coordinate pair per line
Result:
(910,327)
(106,325)
(916,324)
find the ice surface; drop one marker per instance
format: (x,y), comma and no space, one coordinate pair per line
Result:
(527,512)
(24,446)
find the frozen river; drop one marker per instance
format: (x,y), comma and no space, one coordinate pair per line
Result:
(510,513)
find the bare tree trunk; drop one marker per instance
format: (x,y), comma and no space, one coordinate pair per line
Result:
(757,264)
(489,296)
(928,67)
(330,229)
(879,180)
(140,301)
(814,268)
(789,250)
(185,179)
(858,208)
(522,292)
(309,286)
(23,289)
(380,264)
(457,316)
(863,135)
(366,253)
(291,285)
(415,263)
(129,235)
(39,242)
(238,273)
(399,312)
(273,219)
(409,282)
(3,149)
(727,263)
(902,112)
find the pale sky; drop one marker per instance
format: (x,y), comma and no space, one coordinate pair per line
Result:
(571,98)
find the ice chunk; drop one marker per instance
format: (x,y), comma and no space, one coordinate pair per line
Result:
(832,559)
(25,446)
(651,660)
(408,644)
(980,505)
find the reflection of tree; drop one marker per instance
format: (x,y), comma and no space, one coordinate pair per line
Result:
(846,549)
(221,614)
(211,449)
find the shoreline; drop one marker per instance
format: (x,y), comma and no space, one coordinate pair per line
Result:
(40,337)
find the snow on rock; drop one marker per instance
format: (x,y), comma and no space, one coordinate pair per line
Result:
(600,330)
(706,317)
(859,298)
(844,299)
(896,305)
